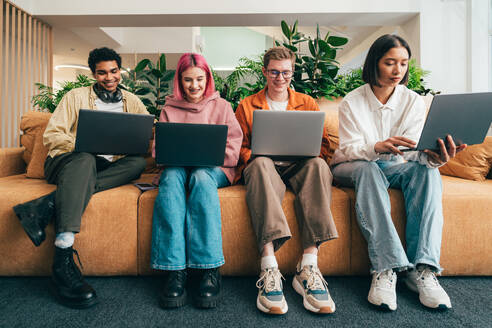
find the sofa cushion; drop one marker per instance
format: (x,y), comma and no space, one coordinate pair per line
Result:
(107,243)
(35,168)
(472,163)
(330,107)
(32,122)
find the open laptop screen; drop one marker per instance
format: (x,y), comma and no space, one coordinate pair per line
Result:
(187,144)
(115,133)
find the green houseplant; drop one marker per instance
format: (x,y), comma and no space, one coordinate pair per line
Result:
(47,99)
(234,87)
(353,79)
(314,72)
(151,82)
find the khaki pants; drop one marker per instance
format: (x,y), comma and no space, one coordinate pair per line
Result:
(265,188)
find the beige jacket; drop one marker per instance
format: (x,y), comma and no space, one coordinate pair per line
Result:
(60,132)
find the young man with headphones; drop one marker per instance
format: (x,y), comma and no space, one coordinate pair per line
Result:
(79,175)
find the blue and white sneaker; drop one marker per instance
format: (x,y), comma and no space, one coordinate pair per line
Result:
(310,284)
(271,298)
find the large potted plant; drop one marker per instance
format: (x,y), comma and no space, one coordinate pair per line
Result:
(47,99)
(151,82)
(314,72)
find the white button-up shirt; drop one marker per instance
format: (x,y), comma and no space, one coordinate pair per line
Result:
(364,121)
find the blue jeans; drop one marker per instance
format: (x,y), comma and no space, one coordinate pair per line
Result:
(186,232)
(422,190)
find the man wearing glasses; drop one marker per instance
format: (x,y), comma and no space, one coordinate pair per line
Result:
(266,182)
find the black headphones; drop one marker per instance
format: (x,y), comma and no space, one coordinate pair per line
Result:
(108,96)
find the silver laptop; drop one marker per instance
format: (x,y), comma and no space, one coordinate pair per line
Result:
(187,144)
(114,133)
(466,117)
(287,135)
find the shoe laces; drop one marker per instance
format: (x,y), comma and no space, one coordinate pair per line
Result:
(427,277)
(210,274)
(385,278)
(270,280)
(179,275)
(72,272)
(315,280)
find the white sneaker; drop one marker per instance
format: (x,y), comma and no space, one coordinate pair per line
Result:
(271,298)
(383,290)
(431,294)
(309,283)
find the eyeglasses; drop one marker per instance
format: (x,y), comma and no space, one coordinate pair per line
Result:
(273,73)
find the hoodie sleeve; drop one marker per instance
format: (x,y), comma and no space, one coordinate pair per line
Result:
(234,138)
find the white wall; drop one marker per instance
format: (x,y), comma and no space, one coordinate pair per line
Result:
(136,39)
(453,43)
(449,37)
(153,7)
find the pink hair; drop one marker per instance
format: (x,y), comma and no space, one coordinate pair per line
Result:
(192,60)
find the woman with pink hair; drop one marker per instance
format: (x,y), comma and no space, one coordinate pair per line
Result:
(186,228)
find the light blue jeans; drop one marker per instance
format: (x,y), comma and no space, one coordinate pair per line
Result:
(186,231)
(422,190)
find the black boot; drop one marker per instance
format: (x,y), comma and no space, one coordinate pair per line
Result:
(173,294)
(69,285)
(208,291)
(35,215)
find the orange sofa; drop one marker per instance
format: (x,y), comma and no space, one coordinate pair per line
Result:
(116,227)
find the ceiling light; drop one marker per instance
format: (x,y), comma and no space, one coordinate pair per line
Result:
(76,66)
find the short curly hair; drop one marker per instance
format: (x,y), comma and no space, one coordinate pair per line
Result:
(102,54)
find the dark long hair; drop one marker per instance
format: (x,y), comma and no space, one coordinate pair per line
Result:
(370,72)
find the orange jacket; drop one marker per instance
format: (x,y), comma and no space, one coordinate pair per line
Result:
(244,115)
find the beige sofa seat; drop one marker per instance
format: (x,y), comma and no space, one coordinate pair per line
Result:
(239,245)
(465,248)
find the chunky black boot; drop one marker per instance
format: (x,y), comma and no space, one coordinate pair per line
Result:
(69,285)
(35,215)
(208,291)
(173,294)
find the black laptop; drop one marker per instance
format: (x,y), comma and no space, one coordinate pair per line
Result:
(466,117)
(113,133)
(187,144)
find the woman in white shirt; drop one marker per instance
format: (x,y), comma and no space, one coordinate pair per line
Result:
(376,119)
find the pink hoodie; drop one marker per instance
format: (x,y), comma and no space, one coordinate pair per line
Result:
(211,110)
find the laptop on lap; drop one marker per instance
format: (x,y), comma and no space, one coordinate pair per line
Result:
(115,133)
(188,144)
(287,135)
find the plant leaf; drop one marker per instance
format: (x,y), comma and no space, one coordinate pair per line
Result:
(162,63)
(311,48)
(156,73)
(294,49)
(337,41)
(142,65)
(285,29)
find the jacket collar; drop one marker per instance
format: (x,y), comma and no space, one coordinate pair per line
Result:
(260,102)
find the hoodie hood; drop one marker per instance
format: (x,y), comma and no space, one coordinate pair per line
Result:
(192,107)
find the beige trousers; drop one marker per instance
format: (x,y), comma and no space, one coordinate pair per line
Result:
(310,180)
